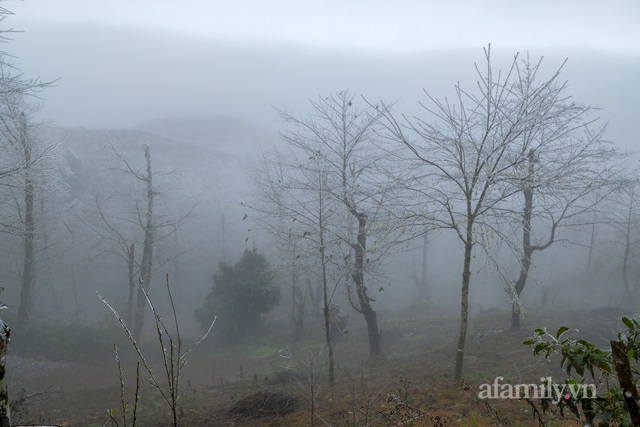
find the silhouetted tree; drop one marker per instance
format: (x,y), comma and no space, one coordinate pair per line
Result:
(241,294)
(340,135)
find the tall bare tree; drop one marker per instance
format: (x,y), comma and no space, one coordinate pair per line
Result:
(568,171)
(273,200)
(469,157)
(14,88)
(125,248)
(29,224)
(32,178)
(149,228)
(16,133)
(129,229)
(295,206)
(342,135)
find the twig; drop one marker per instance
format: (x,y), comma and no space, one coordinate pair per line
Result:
(171,348)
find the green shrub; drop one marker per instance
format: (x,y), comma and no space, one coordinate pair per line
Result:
(606,369)
(241,294)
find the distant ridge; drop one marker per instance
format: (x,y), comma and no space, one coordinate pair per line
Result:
(220,132)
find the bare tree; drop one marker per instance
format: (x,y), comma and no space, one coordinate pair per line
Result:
(15,89)
(631,224)
(125,249)
(421,278)
(568,171)
(469,156)
(622,214)
(342,136)
(143,227)
(29,226)
(271,205)
(149,228)
(34,178)
(14,135)
(295,206)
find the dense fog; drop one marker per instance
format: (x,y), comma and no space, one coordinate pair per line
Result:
(207,108)
(349,178)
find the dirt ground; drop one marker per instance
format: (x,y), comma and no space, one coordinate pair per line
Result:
(411,386)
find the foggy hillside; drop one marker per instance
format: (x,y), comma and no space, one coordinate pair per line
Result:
(239,80)
(319,213)
(205,174)
(225,134)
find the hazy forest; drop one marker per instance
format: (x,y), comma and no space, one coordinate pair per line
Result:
(361,257)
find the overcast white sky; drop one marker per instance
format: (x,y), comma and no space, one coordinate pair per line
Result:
(124,62)
(399,25)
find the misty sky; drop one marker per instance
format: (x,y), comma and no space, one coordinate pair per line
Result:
(367,24)
(123,62)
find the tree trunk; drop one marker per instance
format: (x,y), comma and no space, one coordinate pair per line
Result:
(4,393)
(370,316)
(425,248)
(297,306)
(315,299)
(132,282)
(625,378)
(625,260)
(147,251)
(464,303)
(527,250)
(592,240)
(325,307)
(375,350)
(26,290)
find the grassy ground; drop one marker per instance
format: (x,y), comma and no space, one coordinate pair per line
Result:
(411,386)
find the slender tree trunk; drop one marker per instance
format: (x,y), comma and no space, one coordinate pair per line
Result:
(147,251)
(423,276)
(527,250)
(4,392)
(223,236)
(177,291)
(297,308)
(325,307)
(592,239)
(625,260)
(325,283)
(132,282)
(26,291)
(315,299)
(464,302)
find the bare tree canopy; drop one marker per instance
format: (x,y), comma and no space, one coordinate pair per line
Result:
(476,153)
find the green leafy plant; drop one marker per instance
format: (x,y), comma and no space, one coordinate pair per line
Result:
(613,371)
(241,294)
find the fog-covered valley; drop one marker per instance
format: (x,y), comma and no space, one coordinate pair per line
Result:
(348,218)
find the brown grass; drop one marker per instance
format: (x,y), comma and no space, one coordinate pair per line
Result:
(411,387)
